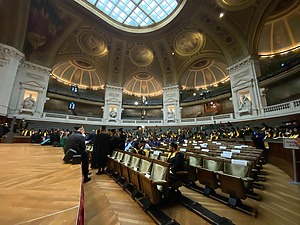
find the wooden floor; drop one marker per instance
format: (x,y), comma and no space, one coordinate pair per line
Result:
(36,187)
(107,203)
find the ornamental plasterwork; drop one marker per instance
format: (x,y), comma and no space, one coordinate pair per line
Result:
(141,56)
(239,65)
(92,43)
(35,67)
(6,52)
(188,43)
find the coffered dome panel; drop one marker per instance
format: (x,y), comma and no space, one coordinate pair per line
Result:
(204,73)
(281,33)
(143,84)
(80,72)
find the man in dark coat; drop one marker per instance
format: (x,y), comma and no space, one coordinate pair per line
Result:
(101,146)
(77,143)
(176,160)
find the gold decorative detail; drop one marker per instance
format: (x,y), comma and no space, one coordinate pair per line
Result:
(189,43)
(203,74)
(141,56)
(92,43)
(78,71)
(143,85)
(280,33)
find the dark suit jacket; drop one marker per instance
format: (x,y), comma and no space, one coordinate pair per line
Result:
(75,142)
(176,162)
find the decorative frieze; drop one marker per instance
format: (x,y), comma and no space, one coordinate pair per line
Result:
(7,52)
(37,68)
(240,65)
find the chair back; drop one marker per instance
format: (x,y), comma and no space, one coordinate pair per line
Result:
(236,170)
(145,166)
(213,164)
(135,161)
(126,158)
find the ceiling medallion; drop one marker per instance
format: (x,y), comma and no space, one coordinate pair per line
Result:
(189,43)
(141,56)
(92,42)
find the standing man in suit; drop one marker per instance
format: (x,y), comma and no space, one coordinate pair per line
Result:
(77,143)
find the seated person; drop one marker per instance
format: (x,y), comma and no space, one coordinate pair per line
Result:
(176,160)
(138,149)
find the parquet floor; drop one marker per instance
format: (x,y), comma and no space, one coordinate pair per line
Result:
(36,187)
(280,204)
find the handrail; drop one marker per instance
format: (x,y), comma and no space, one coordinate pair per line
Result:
(278,110)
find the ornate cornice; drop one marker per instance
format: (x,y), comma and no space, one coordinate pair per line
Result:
(170,88)
(7,52)
(35,67)
(240,65)
(113,87)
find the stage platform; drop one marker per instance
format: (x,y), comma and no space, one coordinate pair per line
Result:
(36,187)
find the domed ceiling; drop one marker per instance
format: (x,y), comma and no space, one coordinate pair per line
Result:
(193,50)
(143,85)
(281,32)
(203,74)
(80,72)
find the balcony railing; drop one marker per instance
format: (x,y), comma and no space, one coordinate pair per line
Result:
(287,108)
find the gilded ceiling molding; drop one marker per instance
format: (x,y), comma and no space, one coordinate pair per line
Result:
(79,72)
(280,34)
(143,85)
(203,74)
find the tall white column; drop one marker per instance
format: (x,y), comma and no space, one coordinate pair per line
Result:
(113,104)
(247,98)
(9,63)
(171,108)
